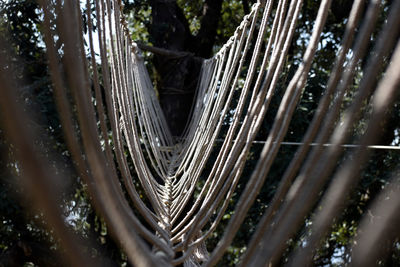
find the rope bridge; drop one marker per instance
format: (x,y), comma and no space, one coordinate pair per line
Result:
(113,96)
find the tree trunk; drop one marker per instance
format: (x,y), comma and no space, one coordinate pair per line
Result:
(179,74)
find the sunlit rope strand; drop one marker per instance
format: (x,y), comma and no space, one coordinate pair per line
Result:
(384,96)
(156,241)
(253,185)
(102,186)
(321,169)
(348,176)
(233,96)
(311,132)
(198,135)
(127,179)
(111,103)
(225,152)
(241,63)
(228,81)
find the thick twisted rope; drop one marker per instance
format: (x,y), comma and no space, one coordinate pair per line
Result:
(126,140)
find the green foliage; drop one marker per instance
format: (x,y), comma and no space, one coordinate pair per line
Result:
(231,16)
(193,13)
(138,15)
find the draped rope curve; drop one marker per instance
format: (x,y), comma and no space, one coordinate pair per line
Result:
(126,140)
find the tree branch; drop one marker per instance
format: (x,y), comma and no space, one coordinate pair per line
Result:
(162,51)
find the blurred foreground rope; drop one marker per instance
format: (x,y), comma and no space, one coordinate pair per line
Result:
(120,121)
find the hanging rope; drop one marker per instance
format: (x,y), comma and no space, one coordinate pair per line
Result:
(126,139)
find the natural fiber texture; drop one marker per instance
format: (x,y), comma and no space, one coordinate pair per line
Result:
(178,219)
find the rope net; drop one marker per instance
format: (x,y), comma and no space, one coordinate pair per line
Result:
(113,96)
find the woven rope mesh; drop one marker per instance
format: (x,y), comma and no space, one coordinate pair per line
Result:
(164,197)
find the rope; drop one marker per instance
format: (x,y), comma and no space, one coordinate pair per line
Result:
(124,141)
